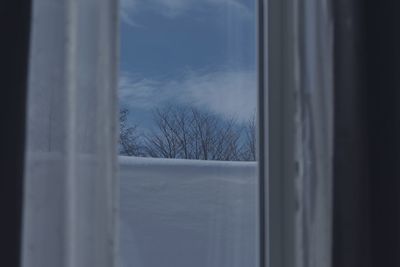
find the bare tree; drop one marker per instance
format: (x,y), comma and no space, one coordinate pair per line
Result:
(181,124)
(129,139)
(216,139)
(189,133)
(163,143)
(249,146)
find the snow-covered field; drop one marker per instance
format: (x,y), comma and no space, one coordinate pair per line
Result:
(184,213)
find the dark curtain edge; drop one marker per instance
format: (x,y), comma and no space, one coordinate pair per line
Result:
(14,50)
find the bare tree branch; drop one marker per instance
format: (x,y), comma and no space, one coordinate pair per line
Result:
(190,133)
(249,147)
(128,136)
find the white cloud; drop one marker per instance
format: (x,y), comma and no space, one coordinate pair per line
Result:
(126,10)
(138,92)
(228,93)
(175,8)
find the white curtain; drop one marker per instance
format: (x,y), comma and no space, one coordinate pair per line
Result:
(314,135)
(71,141)
(299,133)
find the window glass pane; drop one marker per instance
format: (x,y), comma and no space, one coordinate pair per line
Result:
(187,90)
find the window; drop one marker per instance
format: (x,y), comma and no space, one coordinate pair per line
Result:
(188,112)
(188,75)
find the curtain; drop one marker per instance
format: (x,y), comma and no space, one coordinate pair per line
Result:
(314,134)
(299,161)
(69,198)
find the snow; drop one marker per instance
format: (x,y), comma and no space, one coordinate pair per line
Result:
(186,213)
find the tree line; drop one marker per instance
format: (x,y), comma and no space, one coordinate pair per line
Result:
(182,132)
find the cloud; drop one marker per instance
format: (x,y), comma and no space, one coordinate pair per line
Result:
(227,93)
(126,9)
(138,92)
(175,8)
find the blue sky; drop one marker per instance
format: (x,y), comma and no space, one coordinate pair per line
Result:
(191,52)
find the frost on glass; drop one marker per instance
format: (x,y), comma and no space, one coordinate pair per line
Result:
(187,92)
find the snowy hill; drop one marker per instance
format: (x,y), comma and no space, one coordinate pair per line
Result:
(184,213)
